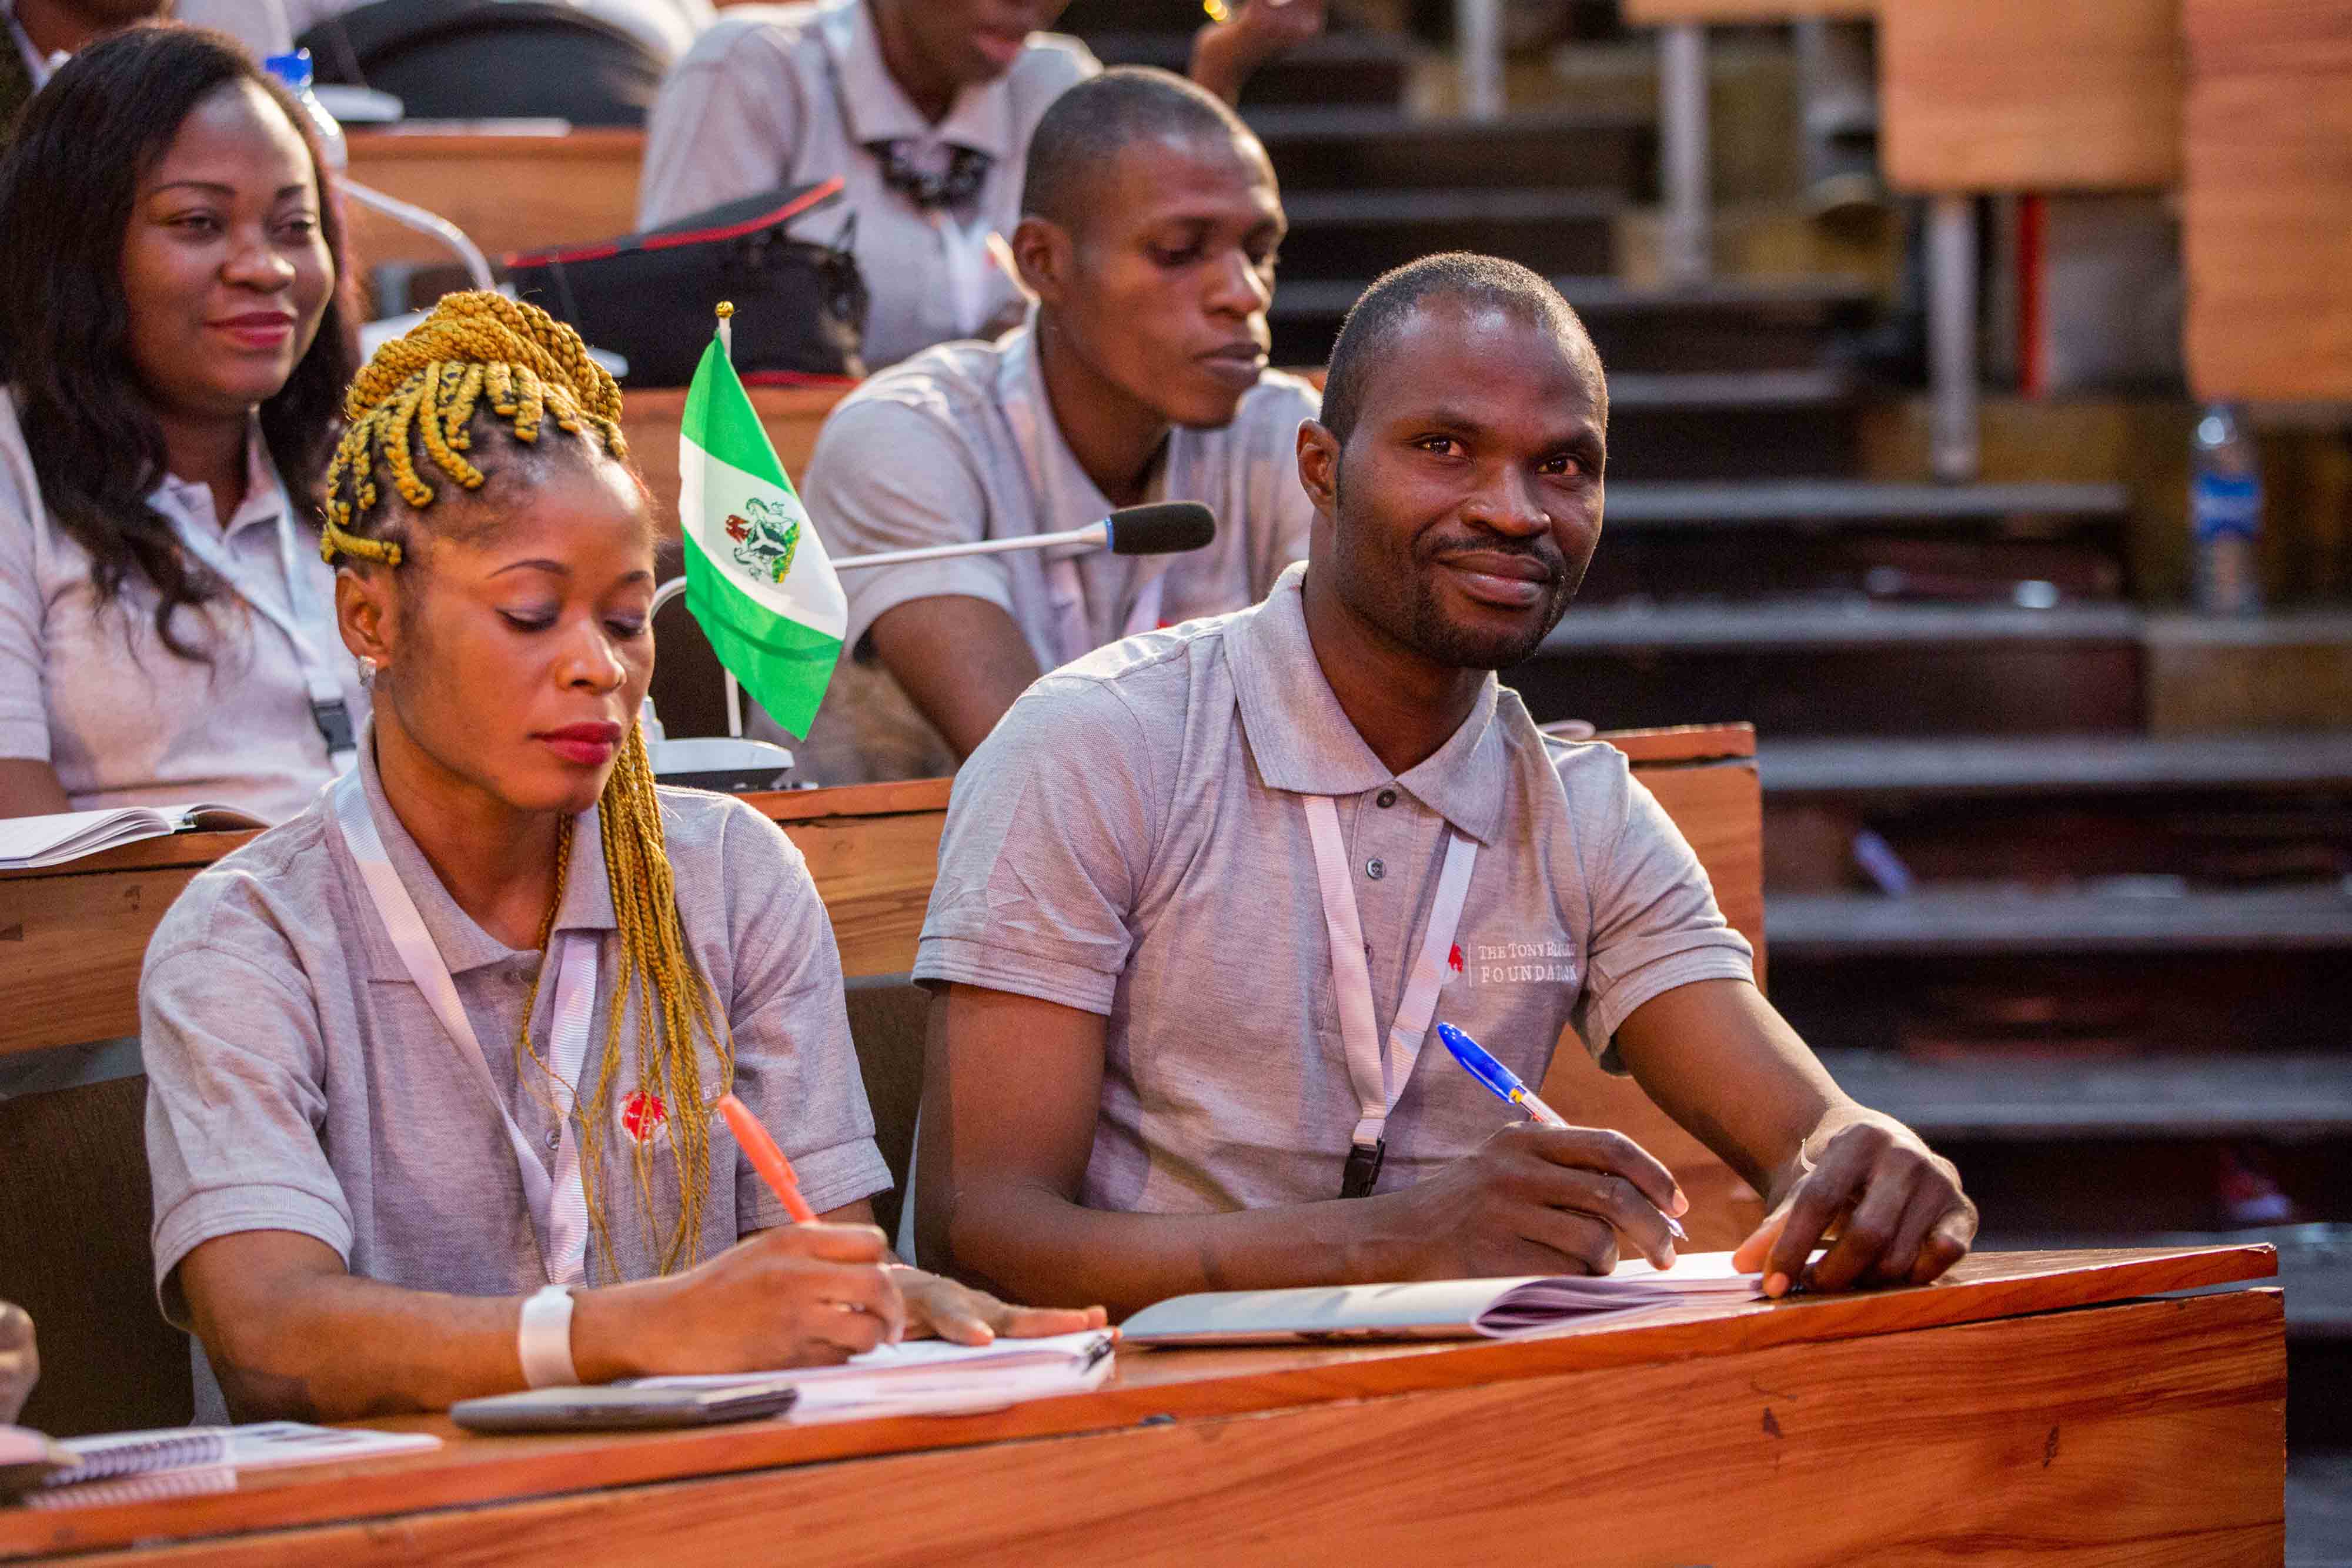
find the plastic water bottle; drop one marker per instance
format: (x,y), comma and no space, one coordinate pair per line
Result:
(2225,515)
(294,71)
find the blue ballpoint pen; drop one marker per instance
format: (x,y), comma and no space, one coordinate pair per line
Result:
(1509,1086)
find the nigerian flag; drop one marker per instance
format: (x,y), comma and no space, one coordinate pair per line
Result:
(756,577)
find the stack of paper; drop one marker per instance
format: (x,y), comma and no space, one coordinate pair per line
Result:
(1434,1309)
(28,843)
(932,1377)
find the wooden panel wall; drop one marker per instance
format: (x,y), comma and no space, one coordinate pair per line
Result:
(2029,95)
(2266,208)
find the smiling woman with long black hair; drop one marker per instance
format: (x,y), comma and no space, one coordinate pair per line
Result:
(173,348)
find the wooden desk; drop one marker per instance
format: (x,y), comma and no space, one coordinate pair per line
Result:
(2266,191)
(2029,95)
(508,192)
(2002,1416)
(74,935)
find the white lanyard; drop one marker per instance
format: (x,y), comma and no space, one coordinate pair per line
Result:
(559,1204)
(1380,1076)
(299,618)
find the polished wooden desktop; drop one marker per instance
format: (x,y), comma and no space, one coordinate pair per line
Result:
(2032,1408)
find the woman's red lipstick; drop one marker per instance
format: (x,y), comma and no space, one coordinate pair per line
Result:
(588,745)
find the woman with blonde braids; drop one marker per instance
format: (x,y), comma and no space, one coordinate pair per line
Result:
(432,1066)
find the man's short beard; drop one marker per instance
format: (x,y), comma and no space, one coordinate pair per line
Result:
(1428,632)
(1442,641)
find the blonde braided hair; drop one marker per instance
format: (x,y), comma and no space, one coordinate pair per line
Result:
(484,355)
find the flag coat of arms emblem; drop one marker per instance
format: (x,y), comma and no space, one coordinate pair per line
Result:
(757,579)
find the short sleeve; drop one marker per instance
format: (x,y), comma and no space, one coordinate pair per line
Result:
(1655,925)
(235,1100)
(795,1065)
(726,125)
(887,476)
(24,701)
(1049,834)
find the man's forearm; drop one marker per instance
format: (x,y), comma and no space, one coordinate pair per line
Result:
(962,661)
(1033,1245)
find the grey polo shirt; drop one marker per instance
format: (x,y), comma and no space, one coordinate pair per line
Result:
(298,1081)
(960,444)
(1131,842)
(773,96)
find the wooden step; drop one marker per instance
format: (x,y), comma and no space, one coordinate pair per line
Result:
(1731,325)
(1360,233)
(1945,921)
(1353,147)
(2096,765)
(2307,1095)
(1842,668)
(1837,502)
(1809,625)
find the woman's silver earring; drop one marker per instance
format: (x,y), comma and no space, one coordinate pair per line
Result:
(367,674)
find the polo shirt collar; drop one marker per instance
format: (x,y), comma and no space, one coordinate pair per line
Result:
(193,502)
(462,943)
(1303,742)
(875,109)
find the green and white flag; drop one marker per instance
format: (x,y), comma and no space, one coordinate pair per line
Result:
(756,576)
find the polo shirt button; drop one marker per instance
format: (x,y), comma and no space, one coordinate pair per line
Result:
(555,1138)
(1375,870)
(1386,798)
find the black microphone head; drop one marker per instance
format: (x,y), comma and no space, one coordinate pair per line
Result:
(1164,527)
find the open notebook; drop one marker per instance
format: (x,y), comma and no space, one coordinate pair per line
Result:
(932,1377)
(1434,1309)
(179,1461)
(29,843)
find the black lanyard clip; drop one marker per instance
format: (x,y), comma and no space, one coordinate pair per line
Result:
(1363,1168)
(334,719)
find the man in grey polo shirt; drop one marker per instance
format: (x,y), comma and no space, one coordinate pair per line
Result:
(1159,1060)
(1152,222)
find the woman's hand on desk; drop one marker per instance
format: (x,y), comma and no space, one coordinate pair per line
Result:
(20,1362)
(798,1295)
(1896,1205)
(946,1310)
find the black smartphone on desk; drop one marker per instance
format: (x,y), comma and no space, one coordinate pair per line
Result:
(617,1406)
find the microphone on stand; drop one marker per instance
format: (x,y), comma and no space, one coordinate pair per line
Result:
(1163,528)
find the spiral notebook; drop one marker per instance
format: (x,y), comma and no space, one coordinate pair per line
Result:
(179,1461)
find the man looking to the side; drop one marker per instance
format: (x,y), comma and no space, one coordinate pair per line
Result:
(1147,1074)
(1150,224)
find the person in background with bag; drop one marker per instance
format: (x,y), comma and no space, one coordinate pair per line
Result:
(1151,220)
(924,109)
(431,1067)
(173,348)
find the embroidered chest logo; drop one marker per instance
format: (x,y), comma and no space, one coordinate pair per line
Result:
(765,545)
(1551,962)
(643,1116)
